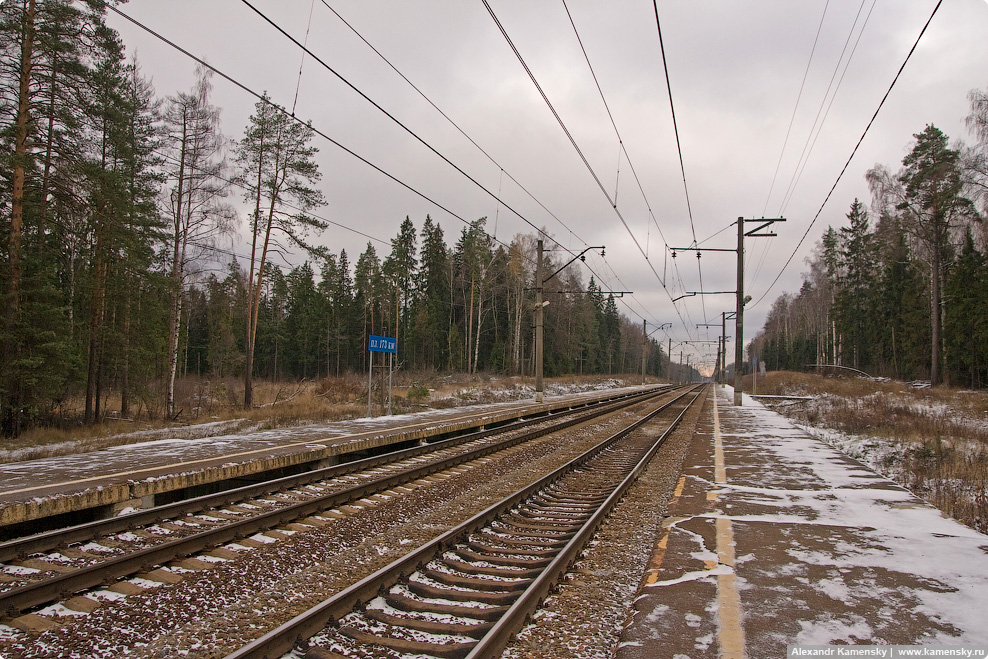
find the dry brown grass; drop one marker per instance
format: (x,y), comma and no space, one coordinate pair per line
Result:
(939,436)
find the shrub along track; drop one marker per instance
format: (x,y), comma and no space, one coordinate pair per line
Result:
(338,548)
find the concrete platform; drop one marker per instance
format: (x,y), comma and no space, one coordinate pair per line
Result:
(775,538)
(130,476)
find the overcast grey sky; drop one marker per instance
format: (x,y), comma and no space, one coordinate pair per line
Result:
(735,67)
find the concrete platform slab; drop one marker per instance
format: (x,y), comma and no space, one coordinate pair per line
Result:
(775,538)
(130,476)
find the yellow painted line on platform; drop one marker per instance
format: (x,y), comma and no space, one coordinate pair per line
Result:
(729,629)
(720,471)
(656,561)
(659,553)
(680,486)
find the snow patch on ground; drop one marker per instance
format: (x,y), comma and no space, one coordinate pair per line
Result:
(942,561)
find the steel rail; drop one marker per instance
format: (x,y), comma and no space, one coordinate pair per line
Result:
(494,642)
(296,631)
(20,548)
(64,585)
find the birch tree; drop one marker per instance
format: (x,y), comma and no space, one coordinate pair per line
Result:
(976,156)
(194,194)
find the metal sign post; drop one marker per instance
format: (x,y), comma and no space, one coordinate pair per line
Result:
(379,344)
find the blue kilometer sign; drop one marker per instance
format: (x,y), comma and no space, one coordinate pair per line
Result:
(381,344)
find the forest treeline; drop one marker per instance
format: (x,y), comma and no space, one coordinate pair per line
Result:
(119,211)
(466,308)
(902,290)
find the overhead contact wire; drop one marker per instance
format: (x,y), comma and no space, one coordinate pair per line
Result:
(853,152)
(804,155)
(282,110)
(579,151)
(679,147)
(826,112)
(389,115)
(799,96)
(569,135)
(675,124)
(453,123)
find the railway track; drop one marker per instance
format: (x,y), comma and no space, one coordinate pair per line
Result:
(467,591)
(55,565)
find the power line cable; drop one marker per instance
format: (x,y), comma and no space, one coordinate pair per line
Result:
(579,151)
(483,151)
(336,143)
(679,148)
(622,148)
(252,189)
(833,97)
(804,156)
(389,115)
(617,133)
(354,88)
(795,107)
(453,123)
(278,108)
(298,84)
(853,152)
(675,124)
(717,233)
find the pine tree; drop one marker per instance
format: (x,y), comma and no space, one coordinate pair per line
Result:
(433,317)
(227,304)
(965,334)
(852,302)
(121,219)
(45,47)
(369,291)
(928,193)
(903,329)
(610,334)
(398,270)
(277,165)
(335,302)
(272,334)
(304,326)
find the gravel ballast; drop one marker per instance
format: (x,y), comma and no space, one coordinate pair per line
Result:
(213,611)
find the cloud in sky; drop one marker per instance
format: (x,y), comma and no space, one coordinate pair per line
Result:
(735,68)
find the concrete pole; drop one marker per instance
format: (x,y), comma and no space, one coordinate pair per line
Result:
(717,363)
(370,380)
(723,349)
(669,355)
(723,361)
(539,396)
(644,347)
(739,317)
